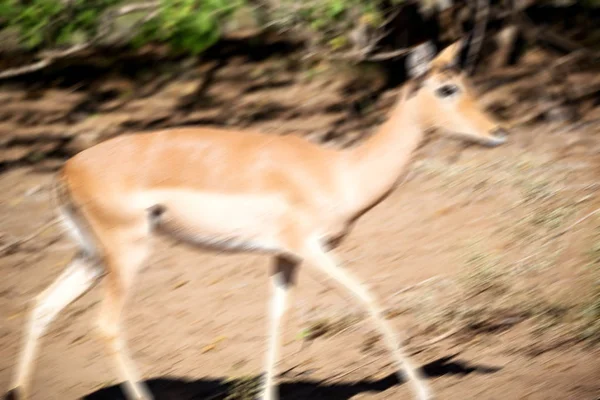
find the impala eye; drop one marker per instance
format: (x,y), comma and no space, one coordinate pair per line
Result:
(447,91)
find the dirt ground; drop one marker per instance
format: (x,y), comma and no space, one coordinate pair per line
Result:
(496,250)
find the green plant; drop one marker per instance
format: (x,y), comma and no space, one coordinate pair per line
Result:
(186,25)
(47,23)
(330,22)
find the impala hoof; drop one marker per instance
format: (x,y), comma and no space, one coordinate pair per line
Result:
(12,395)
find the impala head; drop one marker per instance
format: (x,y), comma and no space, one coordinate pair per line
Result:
(443,97)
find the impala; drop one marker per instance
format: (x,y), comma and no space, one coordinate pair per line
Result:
(242,191)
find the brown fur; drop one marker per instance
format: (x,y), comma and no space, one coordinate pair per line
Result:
(287,193)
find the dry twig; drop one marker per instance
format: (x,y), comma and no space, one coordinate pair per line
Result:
(15,244)
(418,284)
(534,33)
(423,346)
(481,19)
(574,224)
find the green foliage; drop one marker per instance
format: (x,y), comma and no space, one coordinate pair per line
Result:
(187,25)
(46,23)
(330,21)
(191,26)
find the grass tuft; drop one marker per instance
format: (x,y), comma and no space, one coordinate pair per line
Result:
(244,388)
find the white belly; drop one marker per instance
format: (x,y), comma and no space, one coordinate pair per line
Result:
(245,222)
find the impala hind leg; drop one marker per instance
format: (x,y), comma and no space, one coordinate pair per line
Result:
(283,278)
(315,255)
(79,277)
(123,262)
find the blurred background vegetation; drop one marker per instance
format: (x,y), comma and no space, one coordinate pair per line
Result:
(191,26)
(82,43)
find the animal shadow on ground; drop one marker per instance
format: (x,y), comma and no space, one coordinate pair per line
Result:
(168,388)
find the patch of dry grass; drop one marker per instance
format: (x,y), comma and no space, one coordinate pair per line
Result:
(244,388)
(493,291)
(483,272)
(591,312)
(490,295)
(328,327)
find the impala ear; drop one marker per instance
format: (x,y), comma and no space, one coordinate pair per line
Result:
(418,61)
(450,56)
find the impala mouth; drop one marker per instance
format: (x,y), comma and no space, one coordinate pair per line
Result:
(498,137)
(495,138)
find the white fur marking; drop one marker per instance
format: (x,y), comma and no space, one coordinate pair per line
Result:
(77,279)
(224,222)
(76,233)
(315,254)
(277,310)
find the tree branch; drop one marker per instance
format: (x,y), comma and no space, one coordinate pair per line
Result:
(534,33)
(388,55)
(359,56)
(36,66)
(14,245)
(48,57)
(131,8)
(481,18)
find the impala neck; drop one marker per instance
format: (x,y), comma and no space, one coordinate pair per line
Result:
(376,166)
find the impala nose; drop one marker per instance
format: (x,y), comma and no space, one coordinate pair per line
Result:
(498,137)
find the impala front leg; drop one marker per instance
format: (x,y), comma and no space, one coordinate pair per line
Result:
(283,278)
(313,252)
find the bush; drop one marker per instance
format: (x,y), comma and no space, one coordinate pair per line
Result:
(191,26)
(51,23)
(331,22)
(187,25)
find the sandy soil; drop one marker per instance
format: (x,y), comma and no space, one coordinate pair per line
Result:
(197,320)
